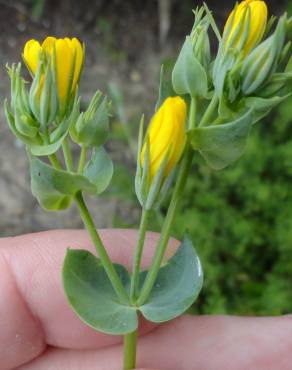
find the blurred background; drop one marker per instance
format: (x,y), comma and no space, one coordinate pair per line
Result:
(240,219)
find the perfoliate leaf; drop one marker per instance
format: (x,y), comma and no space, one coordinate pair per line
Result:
(90,294)
(54,188)
(47,149)
(223,144)
(99,169)
(189,76)
(263,106)
(177,285)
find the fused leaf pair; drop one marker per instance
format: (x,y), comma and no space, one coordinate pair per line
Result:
(55,188)
(92,297)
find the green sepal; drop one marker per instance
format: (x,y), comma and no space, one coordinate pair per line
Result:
(221,145)
(140,177)
(35,89)
(25,125)
(165,88)
(275,85)
(90,294)
(178,284)
(150,192)
(48,98)
(153,197)
(54,188)
(12,125)
(189,76)
(259,66)
(99,170)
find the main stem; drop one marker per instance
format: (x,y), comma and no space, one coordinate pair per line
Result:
(176,196)
(130,346)
(138,254)
(102,253)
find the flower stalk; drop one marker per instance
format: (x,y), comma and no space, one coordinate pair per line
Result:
(138,254)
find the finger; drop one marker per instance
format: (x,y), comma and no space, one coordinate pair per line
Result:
(33,306)
(196,343)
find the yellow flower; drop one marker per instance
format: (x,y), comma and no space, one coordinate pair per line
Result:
(69,60)
(246,25)
(166,136)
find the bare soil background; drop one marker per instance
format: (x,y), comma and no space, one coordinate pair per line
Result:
(126,41)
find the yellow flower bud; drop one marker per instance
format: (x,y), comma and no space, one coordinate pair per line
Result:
(69,55)
(246,25)
(166,136)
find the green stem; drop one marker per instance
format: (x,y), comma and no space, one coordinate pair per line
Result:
(138,254)
(55,162)
(209,111)
(193,113)
(68,155)
(176,196)
(130,344)
(82,159)
(102,253)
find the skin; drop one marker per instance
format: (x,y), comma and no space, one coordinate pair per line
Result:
(39,331)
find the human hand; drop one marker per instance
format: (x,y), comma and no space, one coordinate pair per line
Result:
(39,331)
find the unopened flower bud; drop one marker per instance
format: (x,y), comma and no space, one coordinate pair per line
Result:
(64,55)
(246,25)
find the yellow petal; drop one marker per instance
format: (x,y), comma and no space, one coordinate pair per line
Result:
(78,61)
(64,62)
(31,55)
(258,23)
(49,44)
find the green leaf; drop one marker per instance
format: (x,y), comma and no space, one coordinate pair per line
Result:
(189,76)
(47,149)
(54,188)
(99,169)
(177,285)
(222,144)
(262,106)
(92,297)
